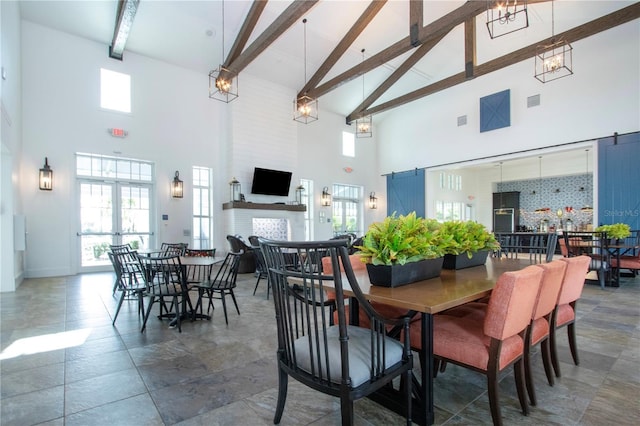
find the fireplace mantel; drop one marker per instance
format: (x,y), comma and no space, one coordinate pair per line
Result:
(263,206)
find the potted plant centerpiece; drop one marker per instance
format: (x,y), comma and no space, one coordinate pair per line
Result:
(467,244)
(615,231)
(402,249)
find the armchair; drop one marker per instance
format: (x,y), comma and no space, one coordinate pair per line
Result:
(247,259)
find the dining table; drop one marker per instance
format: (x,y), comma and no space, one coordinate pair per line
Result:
(428,298)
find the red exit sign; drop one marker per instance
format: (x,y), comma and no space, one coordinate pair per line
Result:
(118,133)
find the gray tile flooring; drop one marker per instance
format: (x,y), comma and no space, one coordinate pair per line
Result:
(63,363)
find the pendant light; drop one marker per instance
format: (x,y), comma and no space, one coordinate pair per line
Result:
(555,60)
(540,209)
(506,16)
(305,108)
(364,124)
(501,209)
(223,83)
(586,208)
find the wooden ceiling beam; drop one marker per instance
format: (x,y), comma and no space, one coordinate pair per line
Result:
(470,48)
(428,32)
(353,33)
(249,24)
(271,34)
(580,32)
(126,12)
(393,78)
(416,21)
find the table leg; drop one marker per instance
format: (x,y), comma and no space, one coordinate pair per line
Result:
(426,414)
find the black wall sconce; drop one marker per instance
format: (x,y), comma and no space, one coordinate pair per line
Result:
(326,197)
(177,189)
(45,179)
(373,201)
(299,192)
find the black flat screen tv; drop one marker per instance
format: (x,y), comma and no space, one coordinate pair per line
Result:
(270,182)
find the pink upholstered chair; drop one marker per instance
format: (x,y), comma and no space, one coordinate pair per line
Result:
(540,322)
(565,312)
(382,309)
(492,339)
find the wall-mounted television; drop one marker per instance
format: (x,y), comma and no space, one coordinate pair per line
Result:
(270,182)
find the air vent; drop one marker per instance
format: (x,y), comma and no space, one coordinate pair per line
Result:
(533,101)
(462,120)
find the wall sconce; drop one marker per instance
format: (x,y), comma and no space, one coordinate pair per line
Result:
(373,201)
(177,189)
(326,197)
(46,176)
(235,190)
(299,191)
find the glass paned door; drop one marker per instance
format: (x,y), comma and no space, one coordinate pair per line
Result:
(112,213)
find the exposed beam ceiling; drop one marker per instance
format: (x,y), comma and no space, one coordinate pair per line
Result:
(604,23)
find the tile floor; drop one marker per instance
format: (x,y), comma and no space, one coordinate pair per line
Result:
(63,363)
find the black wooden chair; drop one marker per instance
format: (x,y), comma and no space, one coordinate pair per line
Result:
(130,279)
(165,284)
(220,286)
(348,362)
(592,244)
(173,249)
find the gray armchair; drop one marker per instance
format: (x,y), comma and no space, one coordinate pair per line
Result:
(247,259)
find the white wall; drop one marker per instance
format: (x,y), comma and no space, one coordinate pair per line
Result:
(602,97)
(173,124)
(321,159)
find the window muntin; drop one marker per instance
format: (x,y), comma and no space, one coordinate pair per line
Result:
(100,166)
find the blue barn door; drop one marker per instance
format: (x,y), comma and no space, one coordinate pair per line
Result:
(619,180)
(406,193)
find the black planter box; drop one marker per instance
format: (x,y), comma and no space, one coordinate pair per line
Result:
(397,275)
(461,261)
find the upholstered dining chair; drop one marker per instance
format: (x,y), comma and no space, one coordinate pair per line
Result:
(386,311)
(490,340)
(565,312)
(340,360)
(540,322)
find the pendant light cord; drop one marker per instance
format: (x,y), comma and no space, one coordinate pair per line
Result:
(222,62)
(304,21)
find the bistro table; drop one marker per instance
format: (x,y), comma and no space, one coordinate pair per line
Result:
(452,288)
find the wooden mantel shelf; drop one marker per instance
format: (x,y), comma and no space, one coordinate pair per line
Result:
(263,206)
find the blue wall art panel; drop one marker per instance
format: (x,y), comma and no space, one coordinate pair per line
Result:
(495,111)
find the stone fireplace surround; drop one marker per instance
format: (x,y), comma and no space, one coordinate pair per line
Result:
(239,220)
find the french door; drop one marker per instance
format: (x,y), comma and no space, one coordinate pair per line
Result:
(112,213)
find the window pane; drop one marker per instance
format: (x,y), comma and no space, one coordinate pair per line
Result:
(115,90)
(348,144)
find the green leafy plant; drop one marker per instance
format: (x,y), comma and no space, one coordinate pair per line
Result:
(466,237)
(618,231)
(400,240)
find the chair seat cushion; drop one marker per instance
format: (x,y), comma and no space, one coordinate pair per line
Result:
(565,315)
(626,262)
(359,354)
(463,340)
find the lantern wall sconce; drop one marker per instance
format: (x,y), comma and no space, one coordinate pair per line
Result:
(299,192)
(373,201)
(235,190)
(326,197)
(177,188)
(45,179)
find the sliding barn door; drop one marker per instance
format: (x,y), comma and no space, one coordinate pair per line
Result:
(406,193)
